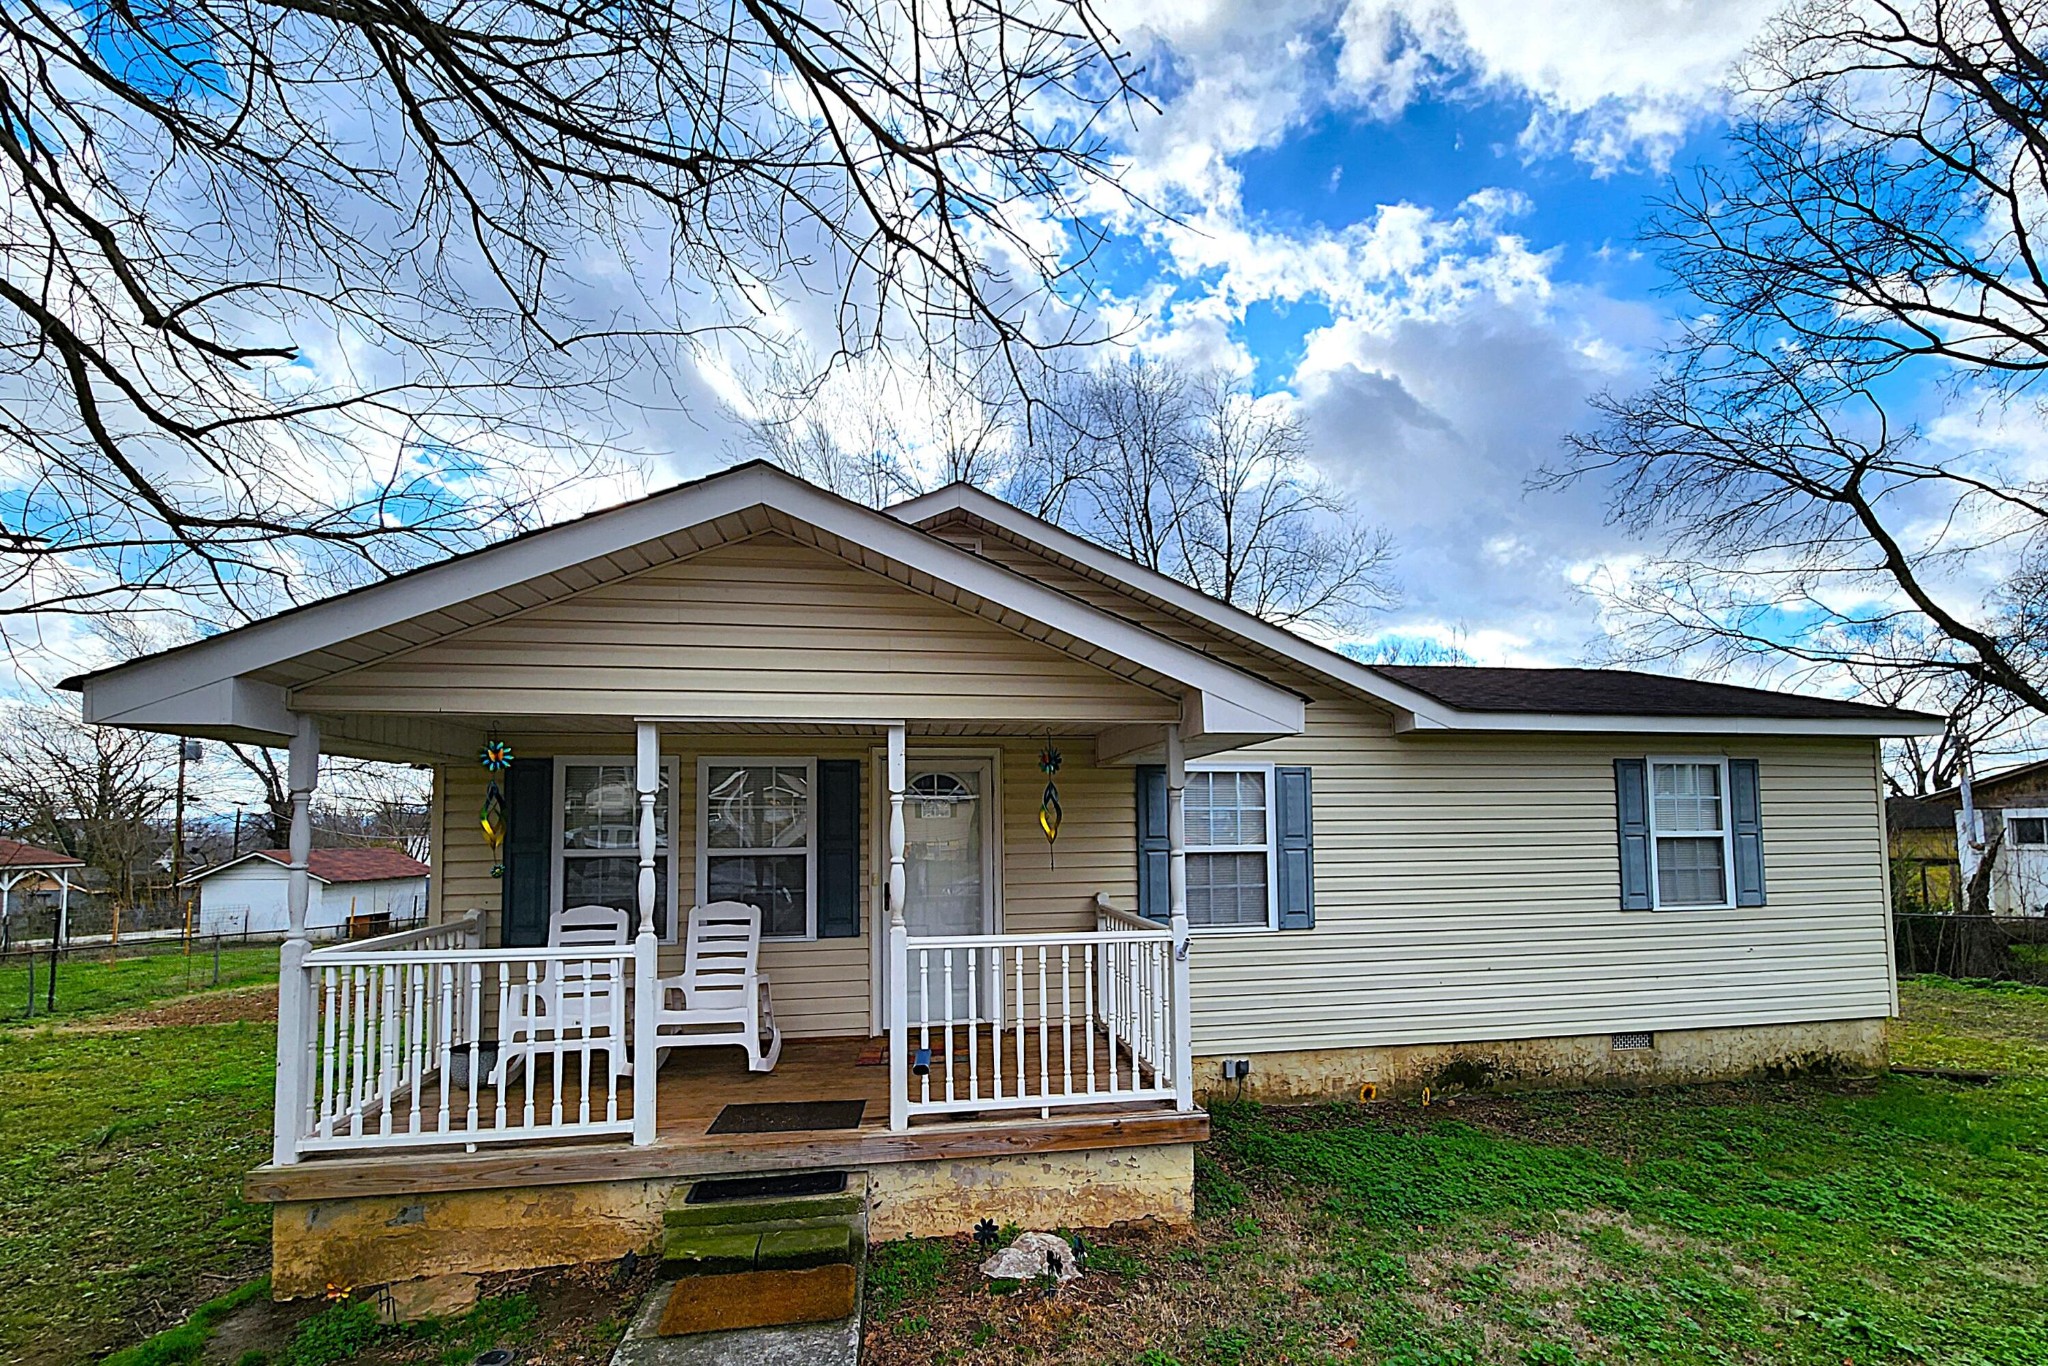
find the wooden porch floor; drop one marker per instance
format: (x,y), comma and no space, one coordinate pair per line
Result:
(697,1083)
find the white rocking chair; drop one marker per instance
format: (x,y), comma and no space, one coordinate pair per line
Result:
(725,998)
(569,1005)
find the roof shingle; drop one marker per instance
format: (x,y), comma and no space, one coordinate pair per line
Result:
(1618,692)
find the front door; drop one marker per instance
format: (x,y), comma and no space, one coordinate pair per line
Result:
(949,871)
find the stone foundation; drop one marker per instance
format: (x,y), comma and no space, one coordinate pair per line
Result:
(1571,1062)
(1090,1189)
(374,1240)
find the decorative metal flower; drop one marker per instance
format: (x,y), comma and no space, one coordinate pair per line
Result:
(985,1234)
(496,755)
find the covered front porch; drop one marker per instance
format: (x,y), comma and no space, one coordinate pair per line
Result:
(981,995)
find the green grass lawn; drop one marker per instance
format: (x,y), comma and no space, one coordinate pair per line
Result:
(87,985)
(1903,1220)
(1826,1222)
(121,1165)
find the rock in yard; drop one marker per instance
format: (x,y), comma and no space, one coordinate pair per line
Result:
(427,1297)
(1031,1256)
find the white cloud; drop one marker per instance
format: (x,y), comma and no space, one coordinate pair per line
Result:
(1613,83)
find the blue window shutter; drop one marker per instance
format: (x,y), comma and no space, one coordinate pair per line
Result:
(1294,821)
(838,848)
(1632,812)
(1152,851)
(1745,800)
(529,789)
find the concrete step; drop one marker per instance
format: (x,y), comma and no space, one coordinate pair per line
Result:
(715,1250)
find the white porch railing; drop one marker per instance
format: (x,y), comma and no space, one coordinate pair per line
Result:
(1023,1022)
(426,1037)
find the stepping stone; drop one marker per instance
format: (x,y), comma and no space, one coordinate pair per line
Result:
(792,1248)
(757,1299)
(708,1252)
(835,1343)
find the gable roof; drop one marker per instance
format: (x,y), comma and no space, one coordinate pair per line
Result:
(1982,786)
(1592,692)
(15,854)
(1505,699)
(237,684)
(335,865)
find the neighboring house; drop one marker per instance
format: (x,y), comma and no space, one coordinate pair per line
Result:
(29,870)
(371,887)
(1274,865)
(2012,811)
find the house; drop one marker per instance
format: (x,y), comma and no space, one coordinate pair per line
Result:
(370,888)
(2012,816)
(29,870)
(1271,871)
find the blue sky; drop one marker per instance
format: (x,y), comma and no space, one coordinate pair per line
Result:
(1417,220)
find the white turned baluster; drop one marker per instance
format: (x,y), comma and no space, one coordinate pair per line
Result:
(1066,1020)
(973,1044)
(1088,1012)
(946,964)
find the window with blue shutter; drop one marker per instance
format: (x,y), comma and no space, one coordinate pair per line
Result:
(1250,847)
(838,848)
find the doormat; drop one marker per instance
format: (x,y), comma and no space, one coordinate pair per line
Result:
(788,1117)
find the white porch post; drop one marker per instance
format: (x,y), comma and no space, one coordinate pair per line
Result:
(1177,917)
(646,946)
(899,944)
(294,999)
(63,910)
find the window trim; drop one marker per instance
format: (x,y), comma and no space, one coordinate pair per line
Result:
(809,764)
(1720,762)
(1271,849)
(557,829)
(2023,813)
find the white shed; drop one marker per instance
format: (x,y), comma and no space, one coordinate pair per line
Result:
(247,895)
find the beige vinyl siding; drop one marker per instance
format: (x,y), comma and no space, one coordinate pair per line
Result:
(822,987)
(1466,888)
(763,629)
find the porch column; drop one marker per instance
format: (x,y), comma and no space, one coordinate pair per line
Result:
(294,997)
(646,946)
(899,944)
(1177,917)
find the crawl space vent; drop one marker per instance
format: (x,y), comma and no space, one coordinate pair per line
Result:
(1624,1042)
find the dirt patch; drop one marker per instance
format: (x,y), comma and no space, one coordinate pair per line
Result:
(206,1008)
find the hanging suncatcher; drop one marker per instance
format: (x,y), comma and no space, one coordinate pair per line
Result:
(1049,804)
(496,757)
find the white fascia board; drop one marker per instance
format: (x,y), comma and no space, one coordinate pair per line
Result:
(1414,712)
(1553,722)
(119,693)
(243,704)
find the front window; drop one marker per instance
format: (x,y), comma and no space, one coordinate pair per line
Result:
(756,845)
(1689,832)
(2027,830)
(597,816)
(1229,815)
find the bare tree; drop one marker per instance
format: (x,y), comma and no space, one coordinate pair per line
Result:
(1188,474)
(298,293)
(97,793)
(1875,236)
(1257,531)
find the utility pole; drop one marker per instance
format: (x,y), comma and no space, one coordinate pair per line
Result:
(238,832)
